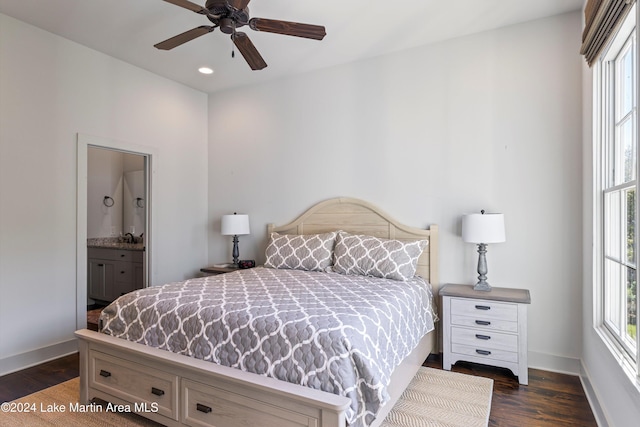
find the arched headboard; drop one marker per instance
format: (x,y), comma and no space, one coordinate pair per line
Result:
(359,217)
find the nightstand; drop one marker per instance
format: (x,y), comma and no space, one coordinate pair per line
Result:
(215,270)
(486,327)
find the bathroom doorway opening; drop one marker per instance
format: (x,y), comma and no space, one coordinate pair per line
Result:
(114,204)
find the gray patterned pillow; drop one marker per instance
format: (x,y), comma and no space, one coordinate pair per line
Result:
(310,252)
(372,256)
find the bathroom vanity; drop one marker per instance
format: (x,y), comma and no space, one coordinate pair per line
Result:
(114,269)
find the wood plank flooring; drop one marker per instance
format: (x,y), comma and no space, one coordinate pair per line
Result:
(18,384)
(550,399)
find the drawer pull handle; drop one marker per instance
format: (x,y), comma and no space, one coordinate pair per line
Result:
(483,307)
(483,322)
(203,408)
(483,352)
(104,373)
(100,265)
(122,272)
(122,255)
(483,337)
(157,391)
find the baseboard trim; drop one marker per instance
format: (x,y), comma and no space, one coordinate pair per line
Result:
(553,363)
(31,358)
(590,392)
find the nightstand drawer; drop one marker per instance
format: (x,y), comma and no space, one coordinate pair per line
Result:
(484,339)
(484,309)
(483,323)
(483,353)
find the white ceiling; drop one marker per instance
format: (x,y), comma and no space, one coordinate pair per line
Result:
(356,29)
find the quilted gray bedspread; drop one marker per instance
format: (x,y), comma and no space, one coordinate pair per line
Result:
(333,332)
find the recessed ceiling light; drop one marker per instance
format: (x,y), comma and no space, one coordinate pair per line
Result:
(205,70)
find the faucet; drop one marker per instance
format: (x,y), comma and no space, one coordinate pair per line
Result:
(131,238)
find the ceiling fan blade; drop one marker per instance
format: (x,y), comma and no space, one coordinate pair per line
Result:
(238,4)
(176,41)
(189,5)
(249,51)
(316,32)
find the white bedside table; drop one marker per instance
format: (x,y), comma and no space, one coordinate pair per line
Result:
(486,327)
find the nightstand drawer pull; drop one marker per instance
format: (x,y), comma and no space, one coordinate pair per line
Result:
(483,337)
(483,307)
(157,391)
(104,373)
(483,322)
(203,408)
(483,352)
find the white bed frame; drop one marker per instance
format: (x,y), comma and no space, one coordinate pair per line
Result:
(178,390)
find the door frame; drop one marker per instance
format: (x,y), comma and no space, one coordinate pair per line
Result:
(83,143)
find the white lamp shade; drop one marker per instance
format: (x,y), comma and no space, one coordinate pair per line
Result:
(235,225)
(483,228)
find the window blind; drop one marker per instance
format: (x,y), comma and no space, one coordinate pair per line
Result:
(601,18)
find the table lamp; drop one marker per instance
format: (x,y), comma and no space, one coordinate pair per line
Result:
(235,225)
(483,228)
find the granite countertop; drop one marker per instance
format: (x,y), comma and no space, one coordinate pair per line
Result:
(114,243)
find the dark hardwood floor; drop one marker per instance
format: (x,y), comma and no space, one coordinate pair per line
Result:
(18,384)
(550,399)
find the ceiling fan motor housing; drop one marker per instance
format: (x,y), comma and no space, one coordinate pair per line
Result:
(226,17)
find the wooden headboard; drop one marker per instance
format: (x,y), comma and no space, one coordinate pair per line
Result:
(359,217)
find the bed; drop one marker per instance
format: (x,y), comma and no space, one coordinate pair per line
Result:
(176,389)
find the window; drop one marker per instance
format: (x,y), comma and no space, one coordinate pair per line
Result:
(616,151)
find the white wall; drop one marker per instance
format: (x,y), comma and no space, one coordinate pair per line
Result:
(50,90)
(489,121)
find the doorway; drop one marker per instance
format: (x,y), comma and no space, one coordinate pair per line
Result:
(122,171)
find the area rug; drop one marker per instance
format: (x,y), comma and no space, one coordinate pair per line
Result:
(45,408)
(435,398)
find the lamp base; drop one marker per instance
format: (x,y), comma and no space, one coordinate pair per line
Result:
(482,286)
(236,252)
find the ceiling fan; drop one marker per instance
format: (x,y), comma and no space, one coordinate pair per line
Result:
(228,15)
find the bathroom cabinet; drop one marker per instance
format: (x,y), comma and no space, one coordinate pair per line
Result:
(113,272)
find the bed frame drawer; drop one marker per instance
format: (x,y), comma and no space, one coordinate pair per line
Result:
(206,406)
(135,383)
